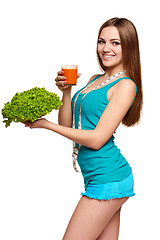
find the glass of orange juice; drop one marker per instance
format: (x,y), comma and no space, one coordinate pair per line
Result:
(70,72)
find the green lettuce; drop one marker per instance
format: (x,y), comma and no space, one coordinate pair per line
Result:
(30,105)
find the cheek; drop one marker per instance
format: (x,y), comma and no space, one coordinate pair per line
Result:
(99,48)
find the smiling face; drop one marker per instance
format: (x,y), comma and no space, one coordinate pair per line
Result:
(109,48)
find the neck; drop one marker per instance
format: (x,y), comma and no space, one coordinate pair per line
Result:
(111,71)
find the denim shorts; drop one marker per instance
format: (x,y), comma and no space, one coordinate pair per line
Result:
(112,190)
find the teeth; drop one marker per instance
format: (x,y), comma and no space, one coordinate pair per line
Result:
(108,56)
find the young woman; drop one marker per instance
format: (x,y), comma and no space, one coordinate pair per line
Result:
(90,120)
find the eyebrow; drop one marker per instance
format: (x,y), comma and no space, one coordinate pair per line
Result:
(110,39)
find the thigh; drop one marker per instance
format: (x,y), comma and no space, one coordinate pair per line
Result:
(111,231)
(91,217)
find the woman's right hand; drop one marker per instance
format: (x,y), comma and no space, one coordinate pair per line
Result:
(61,82)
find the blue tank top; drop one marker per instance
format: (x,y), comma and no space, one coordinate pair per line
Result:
(106,164)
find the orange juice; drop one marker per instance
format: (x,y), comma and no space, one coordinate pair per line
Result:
(70,72)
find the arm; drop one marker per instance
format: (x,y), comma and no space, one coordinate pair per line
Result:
(65,111)
(115,111)
(119,104)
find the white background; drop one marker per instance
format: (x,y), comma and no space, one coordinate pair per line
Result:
(38,187)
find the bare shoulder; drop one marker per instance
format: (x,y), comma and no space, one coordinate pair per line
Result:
(124,92)
(126,86)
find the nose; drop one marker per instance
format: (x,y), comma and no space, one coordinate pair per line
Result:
(107,47)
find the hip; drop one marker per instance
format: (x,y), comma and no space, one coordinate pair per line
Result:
(111,190)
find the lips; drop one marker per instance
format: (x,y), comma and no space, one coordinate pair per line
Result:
(107,56)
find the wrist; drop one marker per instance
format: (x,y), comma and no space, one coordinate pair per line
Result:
(67,95)
(46,124)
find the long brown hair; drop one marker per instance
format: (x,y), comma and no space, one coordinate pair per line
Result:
(131,63)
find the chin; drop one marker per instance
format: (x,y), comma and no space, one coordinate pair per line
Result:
(111,64)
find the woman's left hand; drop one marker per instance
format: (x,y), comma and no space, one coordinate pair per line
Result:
(40,123)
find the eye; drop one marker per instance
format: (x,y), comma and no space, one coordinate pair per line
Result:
(101,41)
(116,43)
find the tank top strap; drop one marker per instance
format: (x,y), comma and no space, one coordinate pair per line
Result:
(117,80)
(93,79)
(112,83)
(90,82)
(109,85)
